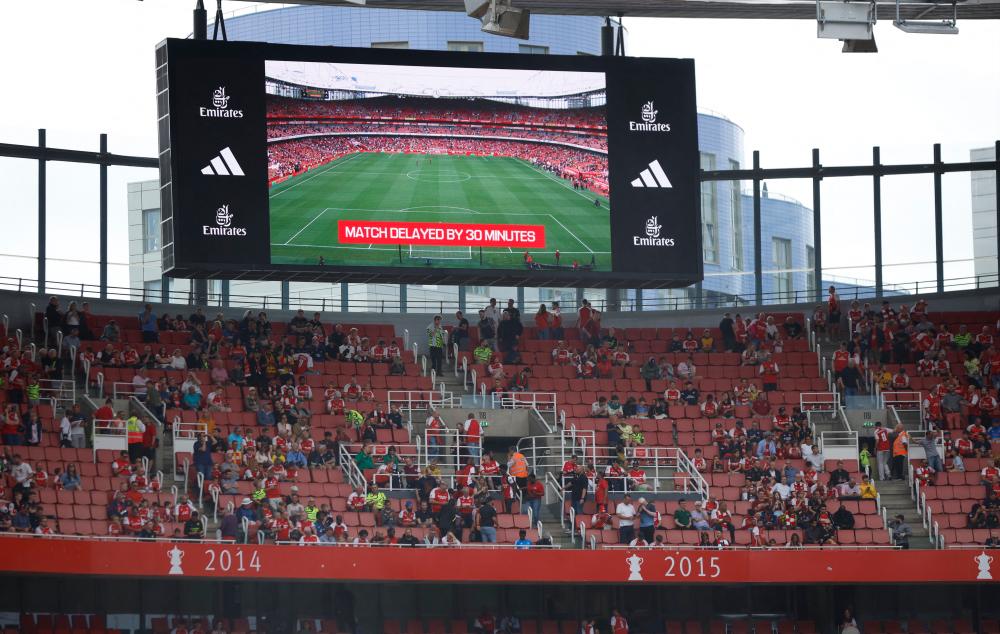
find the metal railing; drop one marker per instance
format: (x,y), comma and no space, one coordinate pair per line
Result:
(109,434)
(689,300)
(544,402)
(841,445)
(350,468)
(411,401)
(59,390)
(184,437)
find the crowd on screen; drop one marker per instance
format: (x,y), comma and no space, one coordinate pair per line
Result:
(291,157)
(597,142)
(444,110)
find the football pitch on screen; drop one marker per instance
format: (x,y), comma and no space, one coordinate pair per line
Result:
(304,211)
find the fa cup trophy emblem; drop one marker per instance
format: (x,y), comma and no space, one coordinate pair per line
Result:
(983,561)
(176,556)
(634,567)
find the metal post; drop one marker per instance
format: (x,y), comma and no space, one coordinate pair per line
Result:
(165,289)
(996,188)
(938,219)
(817,227)
(758,274)
(41,213)
(579,299)
(461,298)
(200,30)
(103,211)
(520,298)
(877,206)
(403,298)
(285,292)
(638,300)
(224,290)
(344,297)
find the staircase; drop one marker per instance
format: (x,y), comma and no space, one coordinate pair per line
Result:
(894,496)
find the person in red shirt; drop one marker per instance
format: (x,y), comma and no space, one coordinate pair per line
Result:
(439,496)
(106,411)
(882,451)
(619,625)
(769,371)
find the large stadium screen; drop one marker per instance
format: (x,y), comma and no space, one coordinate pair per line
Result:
(423,166)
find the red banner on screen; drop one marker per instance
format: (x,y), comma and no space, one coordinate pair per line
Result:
(441,234)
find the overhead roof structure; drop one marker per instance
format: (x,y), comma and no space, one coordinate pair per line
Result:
(734,9)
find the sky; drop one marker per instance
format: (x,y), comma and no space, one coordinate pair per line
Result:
(79,68)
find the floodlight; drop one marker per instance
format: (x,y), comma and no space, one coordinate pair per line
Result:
(930,27)
(839,20)
(941,28)
(505,20)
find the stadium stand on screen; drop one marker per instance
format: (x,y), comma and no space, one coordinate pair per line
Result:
(502,149)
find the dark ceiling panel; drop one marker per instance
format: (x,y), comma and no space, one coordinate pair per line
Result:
(774,9)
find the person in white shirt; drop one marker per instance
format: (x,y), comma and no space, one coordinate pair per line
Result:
(781,489)
(22,473)
(625,511)
(813,457)
(139,384)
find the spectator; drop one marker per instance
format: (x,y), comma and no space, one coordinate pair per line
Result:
(70,479)
(625,511)
(522,543)
(901,532)
(650,371)
(460,333)
(533,493)
(437,339)
(682,516)
(842,518)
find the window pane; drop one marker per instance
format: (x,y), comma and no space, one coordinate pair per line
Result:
(402,45)
(531,49)
(709,213)
(466,47)
(151,230)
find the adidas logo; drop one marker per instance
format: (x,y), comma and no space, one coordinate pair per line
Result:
(652,177)
(224,164)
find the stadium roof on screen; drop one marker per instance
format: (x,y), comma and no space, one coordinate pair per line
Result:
(430,81)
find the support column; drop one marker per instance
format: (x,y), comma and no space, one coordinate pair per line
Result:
(758,275)
(224,290)
(520,300)
(285,292)
(199,288)
(41,214)
(461,298)
(344,297)
(817,227)
(938,220)
(103,213)
(638,300)
(996,188)
(403,298)
(877,207)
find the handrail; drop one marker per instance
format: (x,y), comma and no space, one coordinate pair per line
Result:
(541,419)
(707,300)
(350,468)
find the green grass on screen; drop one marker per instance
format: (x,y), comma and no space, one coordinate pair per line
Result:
(304,210)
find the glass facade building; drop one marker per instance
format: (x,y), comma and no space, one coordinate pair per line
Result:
(727,212)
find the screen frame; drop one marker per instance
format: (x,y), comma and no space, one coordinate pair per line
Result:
(177,262)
